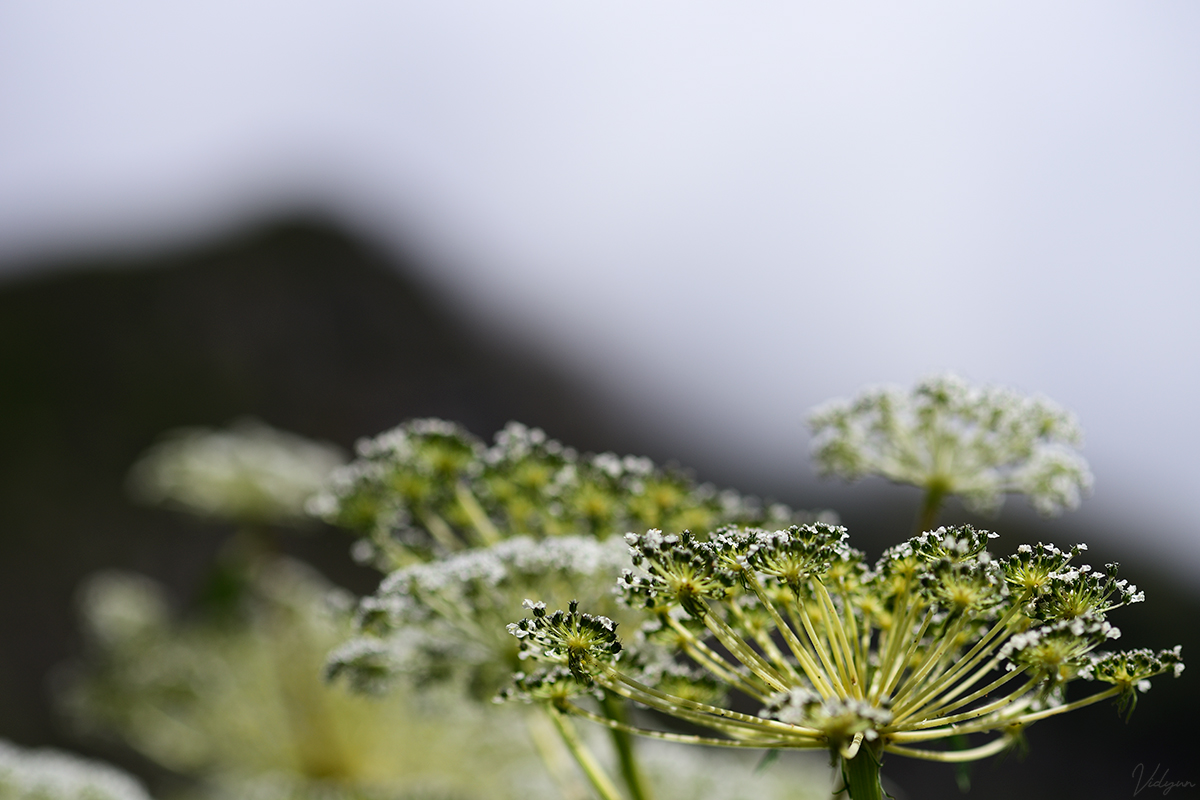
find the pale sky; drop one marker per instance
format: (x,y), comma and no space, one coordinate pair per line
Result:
(720,213)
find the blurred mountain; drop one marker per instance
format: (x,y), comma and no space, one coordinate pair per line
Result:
(296,324)
(312,330)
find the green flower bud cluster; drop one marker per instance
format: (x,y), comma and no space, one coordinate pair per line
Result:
(581,641)
(429,487)
(936,640)
(680,569)
(1130,671)
(952,438)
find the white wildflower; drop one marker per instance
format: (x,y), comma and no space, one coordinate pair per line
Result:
(249,473)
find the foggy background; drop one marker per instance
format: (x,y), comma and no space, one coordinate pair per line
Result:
(666,228)
(718,215)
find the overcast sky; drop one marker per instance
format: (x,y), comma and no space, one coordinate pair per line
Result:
(723,213)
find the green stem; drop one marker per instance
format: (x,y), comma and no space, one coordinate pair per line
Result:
(980,727)
(549,747)
(799,614)
(614,709)
(440,530)
(681,707)
(728,637)
(688,738)
(861,773)
(930,506)
(980,651)
(955,756)
(838,642)
(806,661)
(712,661)
(486,532)
(587,762)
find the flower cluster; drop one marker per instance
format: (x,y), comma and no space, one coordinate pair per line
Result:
(445,619)
(53,775)
(466,532)
(936,640)
(429,487)
(580,641)
(250,473)
(952,438)
(239,707)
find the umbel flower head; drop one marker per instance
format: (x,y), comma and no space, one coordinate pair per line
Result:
(445,619)
(248,473)
(54,775)
(238,706)
(935,641)
(953,438)
(465,532)
(428,488)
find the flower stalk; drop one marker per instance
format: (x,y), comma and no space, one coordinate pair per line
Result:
(861,773)
(631,773)
(595,774)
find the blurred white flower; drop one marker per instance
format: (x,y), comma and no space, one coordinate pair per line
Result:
(950,437)
(239,705)
(249,473)
(54,775)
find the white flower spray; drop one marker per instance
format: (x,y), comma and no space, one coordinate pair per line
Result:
(937,641)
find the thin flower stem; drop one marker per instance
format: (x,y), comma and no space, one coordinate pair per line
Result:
(929,722)
(818,678)
(889,669)
(700,653)
(859,648)
(743,652)
(548,745)
(944,705)
(732,728)
(979,727)
(732,724)
(897,669)
(1050,712)
(766,644)
(978,675)
(440,530)
(486,530)
(456,614)
(954,756)
(839,657)
(648,695)
(397,554)
(967,662)
(833,621)
(798,614)
(587,762)
(1001,711)
(708,658)
(686,738)
(914,682)
(615,710)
